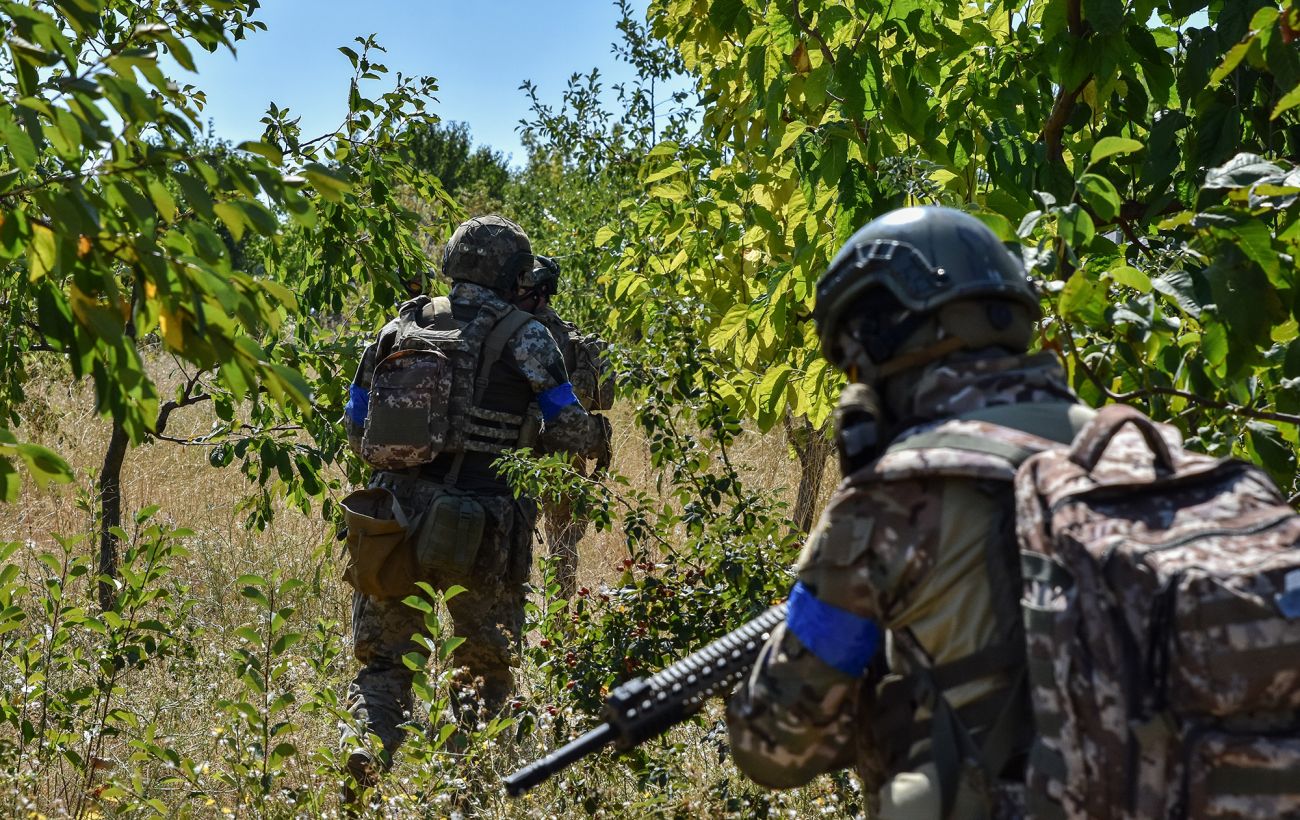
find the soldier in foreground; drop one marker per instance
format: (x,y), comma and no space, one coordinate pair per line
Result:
(914,559)
(593,384)
(507,378)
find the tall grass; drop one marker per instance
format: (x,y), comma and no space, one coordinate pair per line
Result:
(216,687)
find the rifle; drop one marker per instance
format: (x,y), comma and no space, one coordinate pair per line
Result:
(643,708)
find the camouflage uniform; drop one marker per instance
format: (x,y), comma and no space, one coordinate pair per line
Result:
(564,529)
(905,543)
(490,615)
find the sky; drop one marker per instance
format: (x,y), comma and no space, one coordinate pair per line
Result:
(479,50)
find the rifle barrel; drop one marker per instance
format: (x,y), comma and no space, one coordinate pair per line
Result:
(537,771)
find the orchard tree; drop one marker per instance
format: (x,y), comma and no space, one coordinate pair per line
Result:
(121,227)
(1141,153)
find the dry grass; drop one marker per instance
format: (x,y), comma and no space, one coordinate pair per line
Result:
(183,696)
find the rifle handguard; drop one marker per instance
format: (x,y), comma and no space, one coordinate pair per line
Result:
(645,708)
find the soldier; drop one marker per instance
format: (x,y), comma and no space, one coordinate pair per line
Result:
(593,385)
(507,370)
(914,561)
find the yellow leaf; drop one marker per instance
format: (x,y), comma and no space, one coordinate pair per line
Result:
(169,325)
(42,254)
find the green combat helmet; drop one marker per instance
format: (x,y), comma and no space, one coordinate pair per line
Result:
(917,284)
(543,279)
(488,250)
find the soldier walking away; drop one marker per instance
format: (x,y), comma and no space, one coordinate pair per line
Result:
(593,384)
(913,565)
(448,385)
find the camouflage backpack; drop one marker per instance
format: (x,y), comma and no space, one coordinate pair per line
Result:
(425,396)
(593,382)
(1162,618)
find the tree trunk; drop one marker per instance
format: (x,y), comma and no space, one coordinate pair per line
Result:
(813,447)
(110,514)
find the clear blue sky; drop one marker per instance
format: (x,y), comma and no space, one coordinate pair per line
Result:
(480,51)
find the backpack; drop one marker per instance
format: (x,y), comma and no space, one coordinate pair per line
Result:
(1160,604)
(1161,601)
(424,396)
(593,381)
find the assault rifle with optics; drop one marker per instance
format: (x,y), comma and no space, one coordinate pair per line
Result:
(645,708)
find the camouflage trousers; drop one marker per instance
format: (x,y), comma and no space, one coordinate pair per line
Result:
(564,529)
(489,615)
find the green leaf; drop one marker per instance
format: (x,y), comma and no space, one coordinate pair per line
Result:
(9,481)
(265,150)
(328,182)
(603,235)
(1084,300)
(1112,146)
(1241,171)
(18,142)
(45,465)
(1075,226)
(673,191)
(1179,286)
(1100,195)
(232,216)
(1289,100)
(1130,277)
(162,200)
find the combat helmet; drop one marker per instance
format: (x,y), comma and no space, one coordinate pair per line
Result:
(918,283)
(488,250)
(543,279)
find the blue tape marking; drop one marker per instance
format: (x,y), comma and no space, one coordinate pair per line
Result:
(843,640)
(553,400)
(358,406)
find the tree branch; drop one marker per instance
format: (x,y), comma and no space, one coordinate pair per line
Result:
(188,397)
(812,32)
(1145,392)
(1063,107)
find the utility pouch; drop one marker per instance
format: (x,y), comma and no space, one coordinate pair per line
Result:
(381,563)
(449,536)
(531,428)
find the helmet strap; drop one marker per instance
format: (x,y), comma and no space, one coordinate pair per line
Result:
(922,357)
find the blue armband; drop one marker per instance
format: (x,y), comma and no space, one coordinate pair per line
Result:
(843,640)
(553,400)
(358,406)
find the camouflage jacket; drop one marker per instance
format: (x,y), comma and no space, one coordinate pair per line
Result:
(901,545)
(531,369)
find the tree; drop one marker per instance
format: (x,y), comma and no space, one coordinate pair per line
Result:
(118,225)
(444,150)
(1082,132)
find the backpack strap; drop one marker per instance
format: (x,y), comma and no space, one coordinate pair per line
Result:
(507,325)
(1005,710)
(495,344)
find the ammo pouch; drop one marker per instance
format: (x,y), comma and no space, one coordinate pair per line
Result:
(449,536)
(381,563)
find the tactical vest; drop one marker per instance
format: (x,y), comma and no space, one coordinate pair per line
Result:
(426,397)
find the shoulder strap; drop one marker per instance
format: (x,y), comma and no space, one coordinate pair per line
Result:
(1058,422)
(495,344)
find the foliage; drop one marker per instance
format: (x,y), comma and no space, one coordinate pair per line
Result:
(444,150)
(1082,131)
(704,553)
(583,160)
